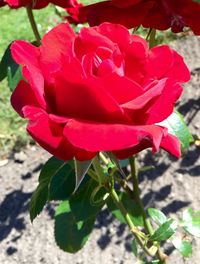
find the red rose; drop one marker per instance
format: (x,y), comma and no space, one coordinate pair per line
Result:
(64,3)
(37,4)
(73,12)
(174,14)
(158,14)
(2,3)
(100,90)
(129,13)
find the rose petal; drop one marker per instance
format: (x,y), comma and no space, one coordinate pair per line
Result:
(165,62)
(155,104)
(172,145)
(89,40)
(106,11)
(49,135)
(81,98)
(55,44)
(115,84)
(107,137)
(25,53)
(23,95)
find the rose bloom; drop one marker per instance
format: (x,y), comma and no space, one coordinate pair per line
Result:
(73,12)
(174,14)
(158,14)
(38,4)
(100,90)
(129,13)
(2,3)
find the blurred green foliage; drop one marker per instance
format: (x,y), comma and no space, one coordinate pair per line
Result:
(15,25)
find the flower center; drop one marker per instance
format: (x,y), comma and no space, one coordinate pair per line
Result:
(176,21)
(106,62)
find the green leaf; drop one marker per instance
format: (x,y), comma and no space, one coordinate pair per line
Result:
(183,246)
(81,168)
(165,231)
(62,183)
(146,168)
(157,216)
(177,126)
(7,62)
(81,203)
(117,163)
(14,79)
(40,195)
(131,206)
(191,222)
(71,235)
(134,248)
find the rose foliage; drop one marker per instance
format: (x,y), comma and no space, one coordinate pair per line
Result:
(100,90)
(158,14)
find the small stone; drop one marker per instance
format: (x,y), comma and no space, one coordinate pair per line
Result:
(179,177)
(3,162)
(104,229)
(33,148)
(20,157)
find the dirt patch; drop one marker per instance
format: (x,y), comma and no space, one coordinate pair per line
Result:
(172,187)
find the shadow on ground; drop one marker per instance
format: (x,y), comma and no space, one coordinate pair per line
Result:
(15,205)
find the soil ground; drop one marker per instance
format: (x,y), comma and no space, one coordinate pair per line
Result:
(173,186)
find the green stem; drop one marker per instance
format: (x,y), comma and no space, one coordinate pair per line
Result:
(125,186)
(93,175)
(103,158)
(123,183)
(98,170)
(136,194)
(33,23)
(128,220)
(152,38)
(139,236)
